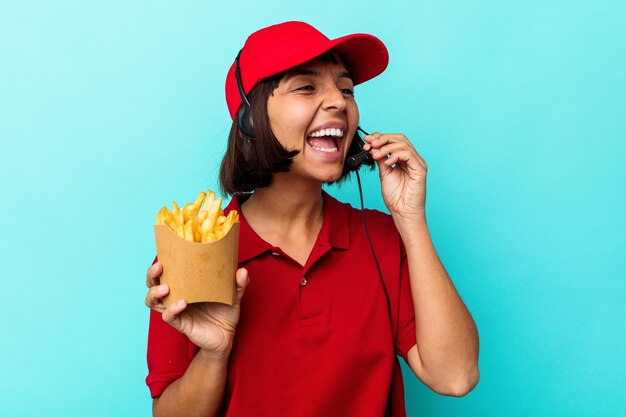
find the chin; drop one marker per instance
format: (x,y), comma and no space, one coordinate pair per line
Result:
(323,174)
(331,177)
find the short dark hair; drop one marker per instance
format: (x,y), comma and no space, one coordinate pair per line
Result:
(249,163)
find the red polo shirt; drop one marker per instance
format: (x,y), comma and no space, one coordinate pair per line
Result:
(312,340)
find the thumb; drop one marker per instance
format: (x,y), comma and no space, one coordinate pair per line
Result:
(243,280)
(383,169)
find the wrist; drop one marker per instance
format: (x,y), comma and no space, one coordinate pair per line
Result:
(214,358)
(411,227)
(409,221)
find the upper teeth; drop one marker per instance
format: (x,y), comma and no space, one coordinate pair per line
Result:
(327,132)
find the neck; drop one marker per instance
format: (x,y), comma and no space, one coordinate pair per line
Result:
(286,202)
(288,214)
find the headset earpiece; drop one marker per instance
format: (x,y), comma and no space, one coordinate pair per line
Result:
(244,119)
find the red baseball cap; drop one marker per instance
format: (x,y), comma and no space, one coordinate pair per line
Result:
(277,48)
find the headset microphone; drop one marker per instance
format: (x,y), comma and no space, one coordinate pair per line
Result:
(354,162)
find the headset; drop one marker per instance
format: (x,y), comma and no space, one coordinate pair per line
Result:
(354,162)
(244,115)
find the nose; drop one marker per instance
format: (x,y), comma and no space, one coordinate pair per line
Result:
(334,99)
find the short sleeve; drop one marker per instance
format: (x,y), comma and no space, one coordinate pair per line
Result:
(169,354)
(406,313)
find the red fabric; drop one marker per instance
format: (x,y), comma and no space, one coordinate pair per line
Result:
(320,349)
(277,48)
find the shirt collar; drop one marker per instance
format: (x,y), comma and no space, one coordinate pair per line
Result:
(336,222)
(335,228)
(253,245)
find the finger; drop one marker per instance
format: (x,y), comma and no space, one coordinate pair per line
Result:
(154,298)
(154,274)
(397,152)
(371,137)
(377,138)
(403,156)
(387,150)
(382,146)
(399,146)
(380,159)
(170,315)
(422,162)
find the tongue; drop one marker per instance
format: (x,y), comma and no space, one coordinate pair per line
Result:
(321,142)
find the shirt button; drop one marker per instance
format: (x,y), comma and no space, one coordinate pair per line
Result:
(275,253)
(303,281)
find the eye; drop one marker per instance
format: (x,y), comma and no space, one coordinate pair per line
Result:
(347,92)
(306,88)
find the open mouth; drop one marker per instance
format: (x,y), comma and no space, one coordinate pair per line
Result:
(326,140)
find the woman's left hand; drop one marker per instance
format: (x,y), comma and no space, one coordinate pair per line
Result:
(402,174)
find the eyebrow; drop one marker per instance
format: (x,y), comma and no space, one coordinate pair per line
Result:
(304,72)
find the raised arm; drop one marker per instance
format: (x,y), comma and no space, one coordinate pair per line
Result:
(445,357)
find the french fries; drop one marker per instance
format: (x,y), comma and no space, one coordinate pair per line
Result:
(202,221)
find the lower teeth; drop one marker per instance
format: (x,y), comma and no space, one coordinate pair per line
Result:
(325,149)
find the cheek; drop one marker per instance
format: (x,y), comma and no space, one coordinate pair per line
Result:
(300,114)
(353,114)
(290,123)
(353,122)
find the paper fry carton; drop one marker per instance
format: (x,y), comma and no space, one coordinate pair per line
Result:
(198,272)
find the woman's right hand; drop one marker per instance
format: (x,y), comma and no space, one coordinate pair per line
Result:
(210,326)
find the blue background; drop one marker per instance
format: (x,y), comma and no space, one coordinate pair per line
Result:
(110,110)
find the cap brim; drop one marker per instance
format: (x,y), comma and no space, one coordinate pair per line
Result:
(366,55)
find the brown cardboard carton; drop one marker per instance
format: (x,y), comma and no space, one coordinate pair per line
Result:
(198,272)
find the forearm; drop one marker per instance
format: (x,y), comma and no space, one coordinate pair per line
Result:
(447,339)
(199,392)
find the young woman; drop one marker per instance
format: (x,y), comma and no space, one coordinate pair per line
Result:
(319,327)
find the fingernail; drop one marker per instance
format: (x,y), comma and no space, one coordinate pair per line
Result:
(367,147)
(180,303)
(162,288)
